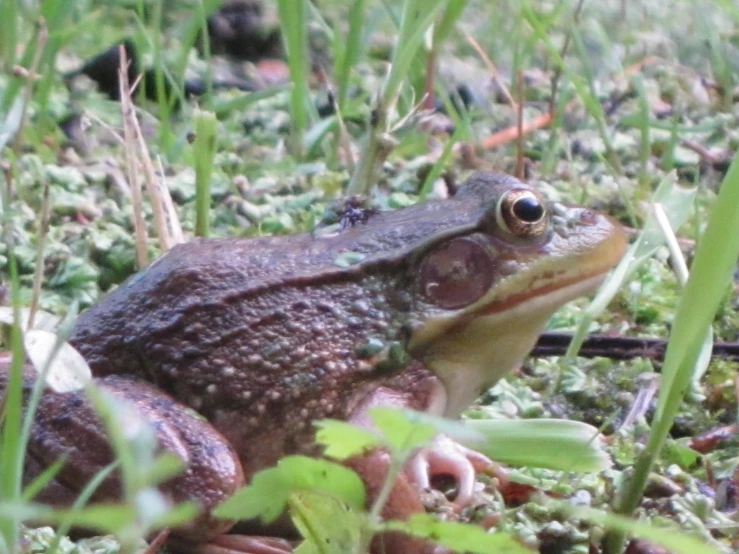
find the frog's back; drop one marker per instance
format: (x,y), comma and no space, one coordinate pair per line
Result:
(208,276)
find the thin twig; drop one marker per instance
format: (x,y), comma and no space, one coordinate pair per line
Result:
(178,236)
(493,71)
(511,133)
(619,348)
(676,255)
(429,80)
(152,185)
(132,162)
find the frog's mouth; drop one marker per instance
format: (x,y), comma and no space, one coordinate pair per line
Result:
(580,284)
(473,355)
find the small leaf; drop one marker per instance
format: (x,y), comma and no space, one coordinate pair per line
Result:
(67,369)
(310,474)
(404,430)
(459,537)
(270,489)
(265,498)
(327,525)
(344,440)
(680,453)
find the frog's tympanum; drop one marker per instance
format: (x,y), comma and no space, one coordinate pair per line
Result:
(423,307)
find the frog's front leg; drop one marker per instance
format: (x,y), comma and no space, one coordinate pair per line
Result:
(65,425)
(444,456)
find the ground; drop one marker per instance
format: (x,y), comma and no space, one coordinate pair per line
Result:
(647,89)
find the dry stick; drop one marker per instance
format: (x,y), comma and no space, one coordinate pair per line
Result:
(42,37)
(178,236)
(38,273)
(713,158)
(562,53)
(428,80)
(511,133)
(619,348)
(152,185)
(641,64)
(519,127)
(127,111)
(493,70)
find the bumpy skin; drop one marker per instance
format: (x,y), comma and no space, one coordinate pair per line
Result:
(264,336)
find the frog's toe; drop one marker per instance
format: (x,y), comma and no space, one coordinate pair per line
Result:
(446,457)
(241,544)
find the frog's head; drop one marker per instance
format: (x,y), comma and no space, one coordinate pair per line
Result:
(482,296)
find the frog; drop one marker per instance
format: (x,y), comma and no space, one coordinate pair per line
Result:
(233,347)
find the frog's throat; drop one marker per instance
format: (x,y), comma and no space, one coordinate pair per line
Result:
(470,359)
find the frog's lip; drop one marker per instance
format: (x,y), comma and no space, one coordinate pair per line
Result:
(580,284)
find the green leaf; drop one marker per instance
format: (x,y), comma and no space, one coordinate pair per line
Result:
(269,491)
(327,525)
(265,497)
(547,443)
(344,440)
(678,452)
(459,537)
(404,430)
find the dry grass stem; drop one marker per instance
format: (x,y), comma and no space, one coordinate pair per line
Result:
(493,71)
(129,142)
(38,272)
(175,227)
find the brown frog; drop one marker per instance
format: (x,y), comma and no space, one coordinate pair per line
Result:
(424,307)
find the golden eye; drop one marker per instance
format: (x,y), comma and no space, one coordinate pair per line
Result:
(522,213)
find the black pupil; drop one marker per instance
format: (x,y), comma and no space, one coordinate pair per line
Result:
(528,209)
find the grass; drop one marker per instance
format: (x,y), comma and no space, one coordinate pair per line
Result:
(606,146)
(711,274)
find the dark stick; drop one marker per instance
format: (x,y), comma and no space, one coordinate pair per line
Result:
(619,348)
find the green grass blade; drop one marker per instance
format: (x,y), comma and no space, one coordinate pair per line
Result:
(204,150)
(441,163)
(414,25)
(293,21)
(677,203)
(11,461)
(351,52)
(714,263)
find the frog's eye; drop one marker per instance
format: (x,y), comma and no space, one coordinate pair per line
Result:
(522,213)
(456,274)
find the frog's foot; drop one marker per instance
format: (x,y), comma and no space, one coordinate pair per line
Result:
(239,544)
(447,457)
